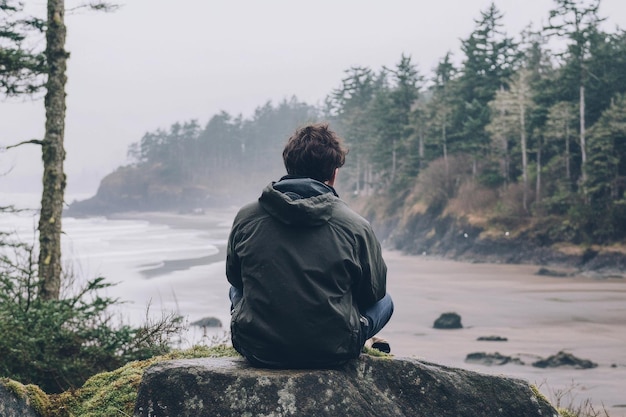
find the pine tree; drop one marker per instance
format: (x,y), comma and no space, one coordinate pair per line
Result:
(442,105)
(490,60)
(578,22)
(392,111)
(21,67)
(351,106)
(53,151)
(510,109)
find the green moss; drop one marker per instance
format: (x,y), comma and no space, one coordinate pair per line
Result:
(32,394)
(114,393)
(542,398)
(375,352)
(566,413)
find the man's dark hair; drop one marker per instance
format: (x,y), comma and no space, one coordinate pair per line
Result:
(314,151)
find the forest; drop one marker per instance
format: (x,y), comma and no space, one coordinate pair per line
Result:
(525,127)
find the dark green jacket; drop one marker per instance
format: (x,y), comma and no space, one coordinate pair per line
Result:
(306,264)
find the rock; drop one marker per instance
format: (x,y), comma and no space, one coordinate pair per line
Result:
(490,359)
(546,272)
(367,387)
(15,401)
(448,321)
(564,359)
(492,339)
(208,322)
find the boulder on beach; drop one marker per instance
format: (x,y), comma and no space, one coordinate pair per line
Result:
(546,272)
(564,359)
(366,387)
(490,359)
(492,339)
(208,322)
(448,321)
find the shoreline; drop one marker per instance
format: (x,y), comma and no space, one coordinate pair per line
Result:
(201,221)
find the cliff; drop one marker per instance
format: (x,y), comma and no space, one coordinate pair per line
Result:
(522,241)
(365,387)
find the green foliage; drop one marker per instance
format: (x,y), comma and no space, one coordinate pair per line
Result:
(58,344)
(580,217)
(491,177)
(21,67)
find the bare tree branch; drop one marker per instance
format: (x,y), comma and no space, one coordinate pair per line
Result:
(100,6)
(26,142)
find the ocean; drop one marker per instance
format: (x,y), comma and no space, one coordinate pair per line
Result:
(157,269)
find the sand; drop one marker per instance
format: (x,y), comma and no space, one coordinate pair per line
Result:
(539,316)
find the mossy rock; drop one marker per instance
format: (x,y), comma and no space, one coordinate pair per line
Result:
(114,393)
(22,400)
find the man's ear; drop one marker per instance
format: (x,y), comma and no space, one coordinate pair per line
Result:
(332,179)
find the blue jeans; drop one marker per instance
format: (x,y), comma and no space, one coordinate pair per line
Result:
(377,316)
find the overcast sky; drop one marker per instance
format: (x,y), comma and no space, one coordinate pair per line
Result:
(156,62)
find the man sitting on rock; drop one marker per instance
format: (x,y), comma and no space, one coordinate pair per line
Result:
(307,274)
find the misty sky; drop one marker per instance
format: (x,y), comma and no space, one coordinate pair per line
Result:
(156,62)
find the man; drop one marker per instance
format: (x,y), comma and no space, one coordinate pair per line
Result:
(308,278)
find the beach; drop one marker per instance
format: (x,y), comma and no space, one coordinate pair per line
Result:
(538,315)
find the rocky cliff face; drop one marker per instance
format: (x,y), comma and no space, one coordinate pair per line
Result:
(456,238)
(366,387)
(140,189)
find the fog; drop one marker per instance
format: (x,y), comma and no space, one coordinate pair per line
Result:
(156,62)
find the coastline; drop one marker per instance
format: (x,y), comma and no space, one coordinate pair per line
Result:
(209,222)
(539,315)
(197,221)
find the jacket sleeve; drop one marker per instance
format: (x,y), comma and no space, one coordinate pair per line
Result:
(233,264)
(373,283)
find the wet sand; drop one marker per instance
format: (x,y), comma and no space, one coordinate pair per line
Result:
(539,316)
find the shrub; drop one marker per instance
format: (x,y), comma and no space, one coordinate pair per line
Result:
(473,198)
(58,344)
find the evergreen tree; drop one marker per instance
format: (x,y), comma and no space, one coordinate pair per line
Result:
(606,173)
(510,109)
(490,60)
(577,20)
(351,106)
(559,129)
(392,111)
(52,147)
(21,66)
(607,156)
(442,105)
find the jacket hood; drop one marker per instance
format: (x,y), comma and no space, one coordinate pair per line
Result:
(299,201)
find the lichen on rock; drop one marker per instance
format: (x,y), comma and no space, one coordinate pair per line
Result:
(366,387)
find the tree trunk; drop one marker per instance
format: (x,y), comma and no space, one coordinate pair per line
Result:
(568,174)
(53,155)
(445,153)
(524,155)
(583,148)
(538,173)
(357,185)
(393,161)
